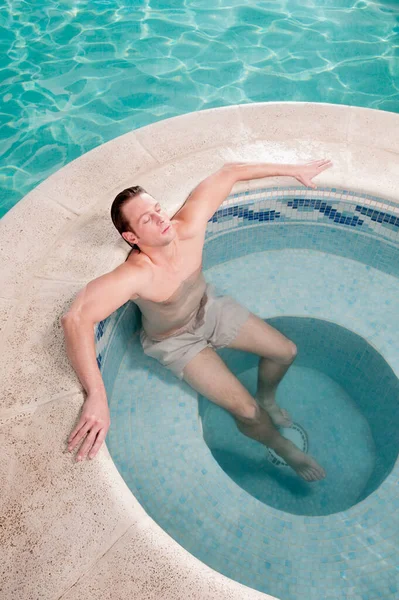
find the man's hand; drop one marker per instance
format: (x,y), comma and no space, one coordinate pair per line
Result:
(94,421)
(305,173)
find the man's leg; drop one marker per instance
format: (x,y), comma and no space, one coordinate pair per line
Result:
(277,354)
(208,374)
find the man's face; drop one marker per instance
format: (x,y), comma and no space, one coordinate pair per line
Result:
(150,224)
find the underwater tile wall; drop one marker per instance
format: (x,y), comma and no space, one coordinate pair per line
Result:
(319,221)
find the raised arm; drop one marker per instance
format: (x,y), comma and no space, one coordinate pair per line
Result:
(205,199)
(95,302)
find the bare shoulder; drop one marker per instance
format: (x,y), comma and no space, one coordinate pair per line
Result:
(138,266)
(105,294)
(205,199)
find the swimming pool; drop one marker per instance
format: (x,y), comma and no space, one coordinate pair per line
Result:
(76,76)
(313,263)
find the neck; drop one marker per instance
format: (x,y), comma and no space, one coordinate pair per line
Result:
(163,256)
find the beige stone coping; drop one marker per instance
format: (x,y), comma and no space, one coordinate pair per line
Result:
(74,530)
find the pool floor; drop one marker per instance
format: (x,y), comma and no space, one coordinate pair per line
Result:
(251,534)
(339,439)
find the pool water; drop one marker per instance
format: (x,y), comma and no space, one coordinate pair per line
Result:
(350,414)
(313,264)
(76,75)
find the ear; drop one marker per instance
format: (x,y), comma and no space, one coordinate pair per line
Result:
(129,237)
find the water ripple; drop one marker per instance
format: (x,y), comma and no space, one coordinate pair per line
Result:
(76,76)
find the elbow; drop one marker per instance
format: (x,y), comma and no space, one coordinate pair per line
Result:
(73,318)
(68,318)
(234,170)
(234,166)
(230,166)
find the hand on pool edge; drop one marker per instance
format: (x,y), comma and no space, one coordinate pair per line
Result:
(94,421)
(306,172)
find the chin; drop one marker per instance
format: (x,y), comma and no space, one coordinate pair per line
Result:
(170,235)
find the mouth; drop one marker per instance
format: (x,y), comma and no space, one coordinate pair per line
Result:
(165,230)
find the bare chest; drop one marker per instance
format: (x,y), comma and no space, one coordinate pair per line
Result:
(169,287)
(170,283)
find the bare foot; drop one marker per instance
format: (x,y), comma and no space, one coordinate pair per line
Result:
(304,465)
(279,416)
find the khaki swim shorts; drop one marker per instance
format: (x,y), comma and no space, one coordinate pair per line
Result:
(216,325)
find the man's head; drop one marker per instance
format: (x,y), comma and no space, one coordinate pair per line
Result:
(140,220)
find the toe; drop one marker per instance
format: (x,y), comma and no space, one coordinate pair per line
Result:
(318,473)
(286,416)
(311,475)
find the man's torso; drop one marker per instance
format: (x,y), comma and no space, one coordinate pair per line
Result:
(172,298)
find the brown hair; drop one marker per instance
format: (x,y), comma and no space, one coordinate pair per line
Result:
(117,216)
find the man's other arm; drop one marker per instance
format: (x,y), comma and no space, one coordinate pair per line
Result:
(206,198)
(100,298)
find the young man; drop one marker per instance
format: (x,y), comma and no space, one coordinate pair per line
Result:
(183,321)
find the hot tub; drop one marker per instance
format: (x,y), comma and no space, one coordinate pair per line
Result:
(322,267)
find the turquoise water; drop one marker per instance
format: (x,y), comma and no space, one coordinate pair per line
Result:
(76,75)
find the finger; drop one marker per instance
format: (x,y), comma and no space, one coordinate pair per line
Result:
(324,167)
(79,435)
(320,163)
(87,444)
(318,160)
(96,446)
(309,183)
(81,423)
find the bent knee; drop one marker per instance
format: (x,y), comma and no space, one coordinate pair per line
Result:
(290,354)
(247,412)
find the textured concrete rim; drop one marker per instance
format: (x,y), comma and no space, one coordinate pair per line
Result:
(53,257)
